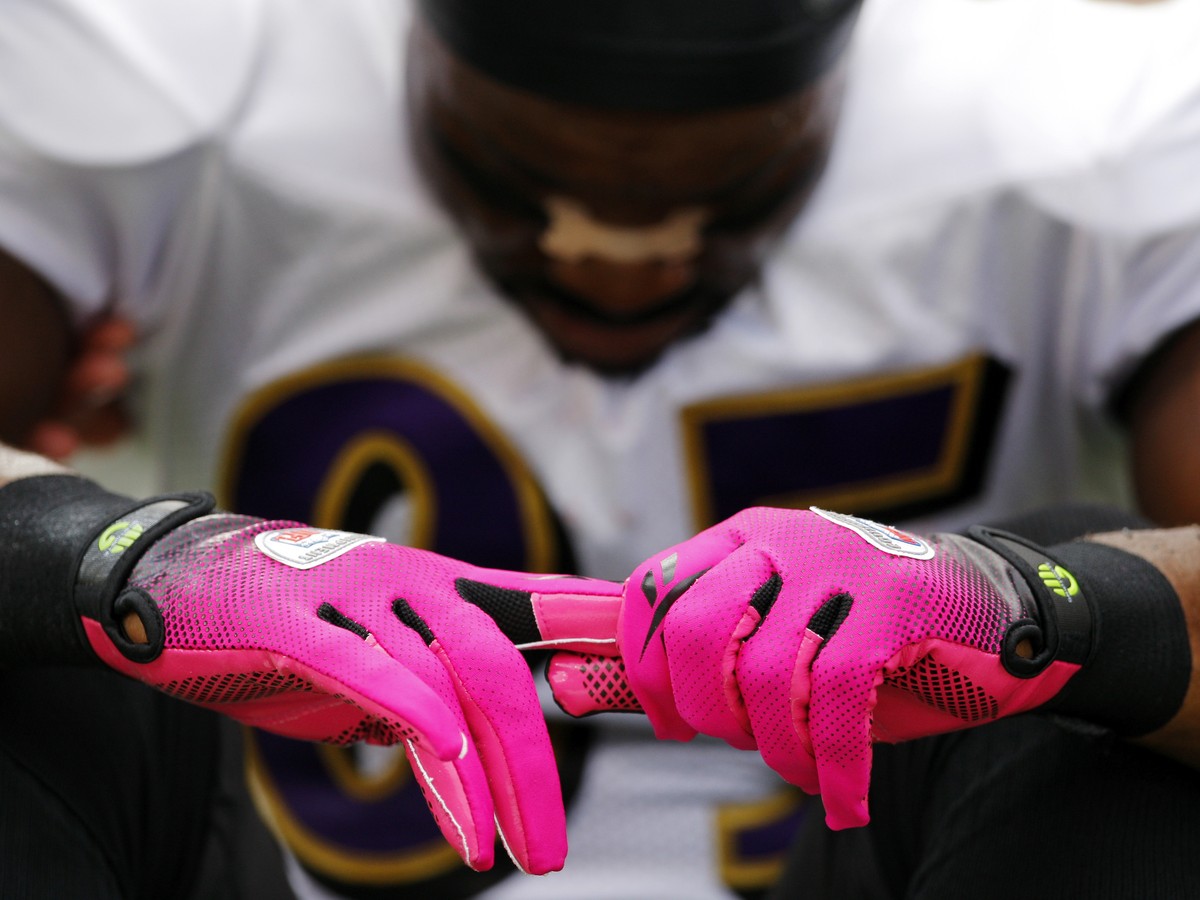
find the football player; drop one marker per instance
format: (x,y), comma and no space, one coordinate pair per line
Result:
(556,292)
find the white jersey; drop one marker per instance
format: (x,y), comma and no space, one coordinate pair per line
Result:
(1008,225)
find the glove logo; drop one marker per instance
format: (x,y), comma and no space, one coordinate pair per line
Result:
(650,591)
(306,548)
(881,537)
(1059,580)
(119,537)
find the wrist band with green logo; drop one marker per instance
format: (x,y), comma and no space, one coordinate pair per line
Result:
(66,547)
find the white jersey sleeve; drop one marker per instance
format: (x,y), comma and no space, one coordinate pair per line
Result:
(1032,121)
(102,107)
(1097,111)
(1096,115)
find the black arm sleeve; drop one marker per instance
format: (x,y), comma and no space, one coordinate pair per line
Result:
(1141,661)
(1138,672)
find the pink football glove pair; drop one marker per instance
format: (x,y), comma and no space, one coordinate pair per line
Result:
(309,633)
(808,635)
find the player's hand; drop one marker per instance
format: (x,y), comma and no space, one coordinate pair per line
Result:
(329,636)
(809,635)
(90,409)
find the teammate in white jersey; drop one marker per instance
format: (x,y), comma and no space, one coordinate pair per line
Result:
(944,334)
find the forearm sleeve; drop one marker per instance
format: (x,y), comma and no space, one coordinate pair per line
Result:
(1141,661)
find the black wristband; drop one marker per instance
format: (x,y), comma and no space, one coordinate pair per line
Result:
(68,545)
(1141,660)
(1061,625)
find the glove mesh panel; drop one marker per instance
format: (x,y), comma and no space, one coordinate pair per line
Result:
(898,601)
(606,684)
(374,730)
(234,688)
(944,688)
(218,592)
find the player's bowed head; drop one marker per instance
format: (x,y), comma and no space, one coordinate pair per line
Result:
(622,169)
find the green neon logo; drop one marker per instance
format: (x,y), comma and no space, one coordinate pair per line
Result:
(1058,579)
(119,537)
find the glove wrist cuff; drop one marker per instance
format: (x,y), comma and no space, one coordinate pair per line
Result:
(68,545)
(108,556)
(1062,626)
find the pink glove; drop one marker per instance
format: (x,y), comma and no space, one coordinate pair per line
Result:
(809,634)
(313,634)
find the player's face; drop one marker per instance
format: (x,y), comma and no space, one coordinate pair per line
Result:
(618,233)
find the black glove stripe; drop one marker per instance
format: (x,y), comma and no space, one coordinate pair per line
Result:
(413,620)
(327,612)
(830,616)
(510,609)
(764,598)
(667,602)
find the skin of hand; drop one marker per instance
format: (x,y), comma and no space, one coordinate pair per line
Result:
(1159,409)
(35,349)
(90,410)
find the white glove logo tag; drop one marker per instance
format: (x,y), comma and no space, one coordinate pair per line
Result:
(883,537)
(305,548)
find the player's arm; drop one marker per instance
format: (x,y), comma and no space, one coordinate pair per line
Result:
(58,389)
(35,349)
(809,635)
(1162,411)
(310,633)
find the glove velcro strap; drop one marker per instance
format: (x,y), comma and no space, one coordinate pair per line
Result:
(1064,628)
(110,555)
(48,525)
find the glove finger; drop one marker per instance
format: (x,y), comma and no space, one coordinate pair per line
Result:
(583,684)
(843,696)
(547,611)
(774,675)
(519,760)
(499,700)
(454,783)
(453,790)
(651,593)
(704,636)
(400,682)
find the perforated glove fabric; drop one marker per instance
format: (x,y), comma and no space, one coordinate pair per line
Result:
(331,636)
(809,635)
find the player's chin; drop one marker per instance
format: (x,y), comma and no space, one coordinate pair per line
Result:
(613,348)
